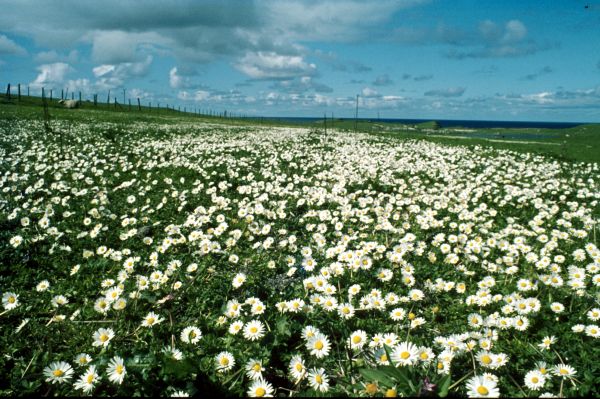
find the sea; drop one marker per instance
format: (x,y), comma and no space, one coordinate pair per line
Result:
(469,124)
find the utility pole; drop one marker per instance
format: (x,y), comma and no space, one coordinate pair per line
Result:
(356,115)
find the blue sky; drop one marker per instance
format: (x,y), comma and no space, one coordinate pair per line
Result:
(500,60)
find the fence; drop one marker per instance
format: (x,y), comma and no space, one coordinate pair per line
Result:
(93,103)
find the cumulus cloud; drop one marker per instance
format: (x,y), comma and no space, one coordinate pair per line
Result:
(51,74)
(181,78)
(8,46)
(270,65)
(368,92)
(115,75)
(47,57)
(449,92)
(301,85)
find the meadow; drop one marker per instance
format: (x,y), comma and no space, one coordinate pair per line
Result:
(176,255)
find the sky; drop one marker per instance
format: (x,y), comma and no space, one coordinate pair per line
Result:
(522,60)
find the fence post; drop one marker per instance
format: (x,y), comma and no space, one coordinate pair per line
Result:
(72,96)
(139,105)
(130,104)
(27,90)
(62,94)
(8,92)
(19,91)
(79,96)
(50,95)
(108,97)
(95,100)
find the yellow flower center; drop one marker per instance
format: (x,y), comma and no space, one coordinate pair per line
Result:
(318,345)
(253,330)
(356,339)
(424,356)
(319,379)
(411,316)
(405,355)
(11,299)
(564,371)
(299,367)
(482,390)
(371,389)
(260,392)
(58,373)
(383,358)
(224,361)
(192,335)
(90,378)
(103,338)
(256,367)
(391,393)
(535,380)
(486,359)
(150,320)
(119,369)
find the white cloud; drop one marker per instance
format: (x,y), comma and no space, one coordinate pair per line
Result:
(47,57)
(115,75)
(8,46)
(51,74)
(368,92)
(270,65)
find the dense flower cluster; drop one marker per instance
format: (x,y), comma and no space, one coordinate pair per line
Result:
(173,254)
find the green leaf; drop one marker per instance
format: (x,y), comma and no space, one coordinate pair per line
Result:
(373,375)
(444,384)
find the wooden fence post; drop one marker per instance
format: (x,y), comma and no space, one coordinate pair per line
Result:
(139,104)
(108,97)
(95,100)
(62,94)
(19,91)
(8,92)
(130,104)
(79,96)
(50,95)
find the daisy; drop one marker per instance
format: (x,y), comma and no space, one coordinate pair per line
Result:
(357,339)
(87,380)
(346,310)
(260,388)
(254,369)
(116,370)
(405,354)
(58,372)
(151,320)
(103,336)
(297,367)
(480,387)
(535,380)
(82,359)
(238,280)
(397,314)
(592,331)
(564,370)
(225,362)
(235,327)
(546,342)
(191,335)
(42,286)
(318,345)
(254,330)
(10,300)
(318,380)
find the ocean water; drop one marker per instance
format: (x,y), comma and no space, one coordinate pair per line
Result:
(470,124)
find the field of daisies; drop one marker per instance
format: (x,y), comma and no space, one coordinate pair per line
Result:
(193,258)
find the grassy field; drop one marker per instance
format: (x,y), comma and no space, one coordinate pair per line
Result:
(155,252)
